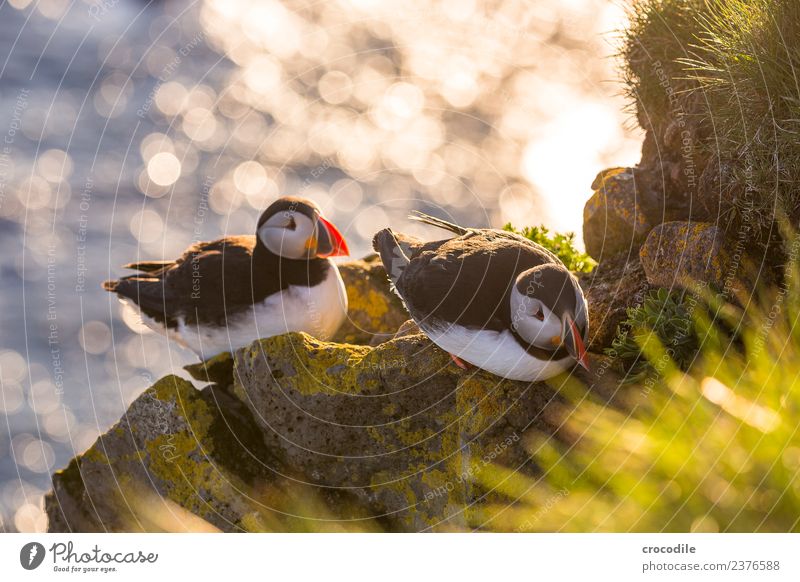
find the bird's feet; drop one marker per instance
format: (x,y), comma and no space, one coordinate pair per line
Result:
(461,363)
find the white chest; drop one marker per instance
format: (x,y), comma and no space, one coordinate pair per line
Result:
(496,352)
(318,311)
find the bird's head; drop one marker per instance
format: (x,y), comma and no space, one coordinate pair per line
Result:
(294,228)
(548,310)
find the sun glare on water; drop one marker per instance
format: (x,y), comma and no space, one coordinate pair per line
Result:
(508,109)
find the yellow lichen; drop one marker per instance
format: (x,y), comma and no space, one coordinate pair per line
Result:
(481,402)
(95,455)
(182,459)
(373,304)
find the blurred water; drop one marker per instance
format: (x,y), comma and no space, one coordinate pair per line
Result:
(129,130)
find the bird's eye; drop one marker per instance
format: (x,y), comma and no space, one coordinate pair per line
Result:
(538,313)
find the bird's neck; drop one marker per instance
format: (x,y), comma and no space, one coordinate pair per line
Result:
(269,267)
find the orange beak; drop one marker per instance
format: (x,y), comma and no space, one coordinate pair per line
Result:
(330,242)
(574,342)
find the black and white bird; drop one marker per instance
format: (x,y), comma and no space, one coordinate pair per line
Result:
(490,298)
(222,295)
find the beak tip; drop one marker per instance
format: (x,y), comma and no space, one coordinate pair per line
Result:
(580,353)
(337,241)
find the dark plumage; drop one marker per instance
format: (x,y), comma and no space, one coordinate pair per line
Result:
(459,289)
(223,294)
(464,280)
(213,281)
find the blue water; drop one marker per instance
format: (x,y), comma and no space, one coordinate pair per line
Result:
(61,238)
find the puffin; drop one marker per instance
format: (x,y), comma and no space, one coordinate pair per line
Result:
(492,299)
(223,294)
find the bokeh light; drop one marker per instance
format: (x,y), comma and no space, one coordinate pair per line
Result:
(142,131)
(164,168)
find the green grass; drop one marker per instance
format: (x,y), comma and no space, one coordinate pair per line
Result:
(668,314)
(658,35)
(734,69)
(714,448)
(561,245)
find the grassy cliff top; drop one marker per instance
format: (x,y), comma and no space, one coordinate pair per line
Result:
(728,70)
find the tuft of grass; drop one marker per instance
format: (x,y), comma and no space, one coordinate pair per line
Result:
(658,35)
(668,315)
(561,245)
(747,66)
(730,69)
(714,448)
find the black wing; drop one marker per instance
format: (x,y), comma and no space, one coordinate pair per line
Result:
(211,280)
(467,280)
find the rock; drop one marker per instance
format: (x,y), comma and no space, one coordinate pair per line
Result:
(186,460)
(406,329)
(673,160)
(685,254)
(398,425)
(615,284)
(373,310)
(613,220)
(394,437)
(410,327)
(175,447)
(715,196)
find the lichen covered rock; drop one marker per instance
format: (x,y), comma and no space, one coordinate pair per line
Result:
(176,447)
(306,435)
(397,425)
(613,220)
(373,310)
(183,459)
(685,254)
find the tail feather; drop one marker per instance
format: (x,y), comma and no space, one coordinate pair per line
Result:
(148,266)
(139,289)
(148,294)
(433,221)
(394,257)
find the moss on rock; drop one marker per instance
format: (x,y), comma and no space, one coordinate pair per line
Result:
(613,221)
(685,254)
(312,436)
(373,310)
(167,452)
(397,425)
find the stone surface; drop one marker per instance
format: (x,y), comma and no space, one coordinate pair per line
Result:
(308,435)
(615,284)
(408,328)
(173,448)
(398,425)
(684,254)
(673,160)
(613,220)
